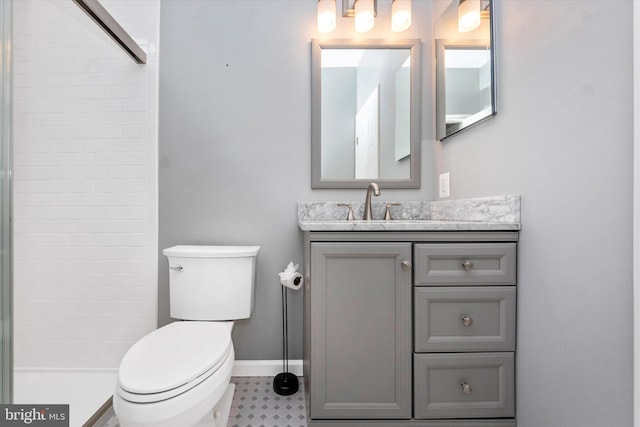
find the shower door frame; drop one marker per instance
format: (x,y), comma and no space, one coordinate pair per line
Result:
(6,229)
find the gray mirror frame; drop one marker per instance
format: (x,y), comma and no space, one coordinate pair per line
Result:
(441,45)
(316,47)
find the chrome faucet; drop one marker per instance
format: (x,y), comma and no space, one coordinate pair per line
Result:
(367,201)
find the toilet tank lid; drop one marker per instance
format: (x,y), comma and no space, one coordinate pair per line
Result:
(201,251)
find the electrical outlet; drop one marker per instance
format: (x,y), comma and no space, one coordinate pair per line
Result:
(445,185)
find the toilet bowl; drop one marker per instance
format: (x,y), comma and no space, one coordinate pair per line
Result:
(178,375)
(154,389)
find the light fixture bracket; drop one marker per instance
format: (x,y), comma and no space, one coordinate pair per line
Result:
(349,8)
(484,9)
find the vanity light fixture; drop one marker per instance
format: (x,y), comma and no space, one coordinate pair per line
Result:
(326,15)
(364,14)
(468,15)
(400,15)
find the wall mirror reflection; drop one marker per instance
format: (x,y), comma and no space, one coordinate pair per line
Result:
(365,114)
(465,73)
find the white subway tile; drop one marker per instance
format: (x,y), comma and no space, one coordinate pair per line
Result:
(85,221)
(108,158)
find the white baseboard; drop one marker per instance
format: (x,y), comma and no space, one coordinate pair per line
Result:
(68,371)
(241,368)
(264,368)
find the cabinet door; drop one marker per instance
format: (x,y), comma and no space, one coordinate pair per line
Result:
(360,331)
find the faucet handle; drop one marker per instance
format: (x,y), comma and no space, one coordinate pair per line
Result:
(350,216)
(387,215)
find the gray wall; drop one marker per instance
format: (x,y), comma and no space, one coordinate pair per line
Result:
(563,140)
(234,135)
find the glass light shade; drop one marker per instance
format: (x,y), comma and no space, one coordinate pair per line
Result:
(400,15)
(364,15)
(468,15)
(326,15)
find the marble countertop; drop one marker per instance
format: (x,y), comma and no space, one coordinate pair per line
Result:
(500,213)
(406,225)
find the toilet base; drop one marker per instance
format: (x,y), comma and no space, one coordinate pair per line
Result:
(219,415)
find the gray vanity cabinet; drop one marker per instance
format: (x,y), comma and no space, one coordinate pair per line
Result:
(361,331)
(410,329)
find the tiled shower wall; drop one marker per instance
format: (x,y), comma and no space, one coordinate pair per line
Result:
(85,185)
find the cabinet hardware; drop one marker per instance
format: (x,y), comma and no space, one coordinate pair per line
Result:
(466,388)
(468,265)
(406,265)
(467,320)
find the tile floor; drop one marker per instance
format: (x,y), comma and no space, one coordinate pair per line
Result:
(255,404)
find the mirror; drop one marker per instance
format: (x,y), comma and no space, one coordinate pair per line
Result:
(365,123)
(465,75)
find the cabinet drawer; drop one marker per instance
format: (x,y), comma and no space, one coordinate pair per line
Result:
(465,264)
(465,319)
(459,385)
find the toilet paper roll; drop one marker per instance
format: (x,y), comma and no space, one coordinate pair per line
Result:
(293,281)
(290,278)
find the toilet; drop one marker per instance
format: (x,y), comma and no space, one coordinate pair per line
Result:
(178,375)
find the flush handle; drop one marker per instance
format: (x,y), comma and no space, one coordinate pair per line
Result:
(467,265)
(177,268)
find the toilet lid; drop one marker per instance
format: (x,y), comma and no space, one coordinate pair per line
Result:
(174,355)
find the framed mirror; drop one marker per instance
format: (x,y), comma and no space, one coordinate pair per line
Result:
(365,113)
(465,77)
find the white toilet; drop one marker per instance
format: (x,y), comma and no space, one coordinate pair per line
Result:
(178,375)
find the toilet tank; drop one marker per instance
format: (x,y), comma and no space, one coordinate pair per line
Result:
(211,282)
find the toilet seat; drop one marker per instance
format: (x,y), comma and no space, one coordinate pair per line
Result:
(173,359)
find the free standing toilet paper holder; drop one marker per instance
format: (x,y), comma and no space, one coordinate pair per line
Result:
(286,383)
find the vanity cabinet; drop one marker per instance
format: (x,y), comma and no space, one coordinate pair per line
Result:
(410,328)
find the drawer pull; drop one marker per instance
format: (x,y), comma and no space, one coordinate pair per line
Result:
(466,388)
(467,320)
(406,265)
(468,265)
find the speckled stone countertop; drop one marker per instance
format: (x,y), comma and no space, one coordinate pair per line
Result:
(501,213)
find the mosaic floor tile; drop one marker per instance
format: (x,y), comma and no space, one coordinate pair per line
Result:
(255,404)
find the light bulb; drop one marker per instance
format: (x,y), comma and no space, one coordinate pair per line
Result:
(400,15)
(326,15)
(468,15)
(364,15)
